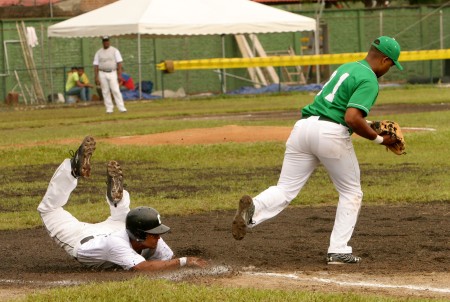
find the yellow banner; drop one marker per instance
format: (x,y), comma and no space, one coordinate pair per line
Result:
(327,59)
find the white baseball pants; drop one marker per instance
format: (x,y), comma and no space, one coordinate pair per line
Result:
(66,230)
(313,141)
(109,83)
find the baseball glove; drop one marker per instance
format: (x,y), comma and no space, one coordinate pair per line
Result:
(393,129)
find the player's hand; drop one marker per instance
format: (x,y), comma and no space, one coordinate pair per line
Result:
(388,140)
(196,262)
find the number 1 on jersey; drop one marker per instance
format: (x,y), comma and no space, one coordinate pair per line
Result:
(342,78)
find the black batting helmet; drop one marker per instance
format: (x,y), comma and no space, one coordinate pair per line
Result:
(142,221)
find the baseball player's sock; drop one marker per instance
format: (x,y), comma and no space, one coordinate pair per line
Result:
(335,258)
(80,161)
(243,217)
(114,181)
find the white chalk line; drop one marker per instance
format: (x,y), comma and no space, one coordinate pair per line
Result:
(172,276)
(223,270)
(42,283)
(356,283)
(418,129)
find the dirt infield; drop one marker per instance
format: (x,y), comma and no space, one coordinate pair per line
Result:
(400,245)
(405,248)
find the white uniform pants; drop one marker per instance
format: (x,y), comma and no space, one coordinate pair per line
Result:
(64,228)
(313,141)
(109,83)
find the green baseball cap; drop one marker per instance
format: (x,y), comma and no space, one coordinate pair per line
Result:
(390,47)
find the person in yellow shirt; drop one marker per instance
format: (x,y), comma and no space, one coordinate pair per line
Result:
(83,78)
(78,84)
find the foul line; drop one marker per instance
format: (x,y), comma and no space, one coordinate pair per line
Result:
(347,283)
(44,283)
(173,276)
(419,129)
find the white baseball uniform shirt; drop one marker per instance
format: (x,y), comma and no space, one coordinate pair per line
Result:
(105,251)
(110,244)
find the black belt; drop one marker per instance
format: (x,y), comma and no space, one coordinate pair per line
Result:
(107,70)
(84,240)
(327,119)
(323,118)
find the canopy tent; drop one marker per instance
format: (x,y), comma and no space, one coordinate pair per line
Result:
(181,18)
(163,18)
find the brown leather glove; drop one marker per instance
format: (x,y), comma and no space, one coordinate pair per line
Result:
(393,129)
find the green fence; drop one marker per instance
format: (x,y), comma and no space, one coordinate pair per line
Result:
(416,28)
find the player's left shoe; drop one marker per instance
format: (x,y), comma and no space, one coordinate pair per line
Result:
(335,258)
(81,159)
(114,182)
(243,217)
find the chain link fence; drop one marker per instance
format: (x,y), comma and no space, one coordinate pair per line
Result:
(343,31)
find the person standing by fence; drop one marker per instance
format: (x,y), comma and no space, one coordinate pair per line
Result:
(108,74)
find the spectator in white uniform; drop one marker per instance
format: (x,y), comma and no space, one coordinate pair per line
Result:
(108,74)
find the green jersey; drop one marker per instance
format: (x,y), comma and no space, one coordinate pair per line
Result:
(351,85)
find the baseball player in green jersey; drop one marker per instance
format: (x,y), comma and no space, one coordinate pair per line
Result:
(322,135)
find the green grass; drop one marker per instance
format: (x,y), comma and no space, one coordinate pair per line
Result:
(142,289)
(414,94)
(30,125)
(186,179)
(190,179)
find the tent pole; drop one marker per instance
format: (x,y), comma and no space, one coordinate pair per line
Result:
(223,76)
(51,8)
(159,75)
(50,63)
(319,10)
(139,66)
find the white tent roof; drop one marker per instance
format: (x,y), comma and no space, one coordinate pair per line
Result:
(181,18)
